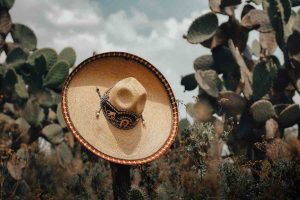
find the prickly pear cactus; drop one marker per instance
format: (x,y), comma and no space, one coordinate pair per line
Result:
(255,97)
(256,79)
(35,144)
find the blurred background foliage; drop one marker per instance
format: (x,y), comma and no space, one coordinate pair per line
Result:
(240,139)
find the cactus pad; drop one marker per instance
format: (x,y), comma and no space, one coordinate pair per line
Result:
(57,74)
(268,41)
(53,133)
(204,62)
(64,154)
(232,102)
(224,60)
(289,116)
(202,28)
(16,55)
(262,110)
(189,82)
(293,43)
(209,81)
(20,88)
(279,108)
(24,36)
(68,54)
(183,125)
(49,54)
(257,19)
(263,76)
(33,113)
(7,4)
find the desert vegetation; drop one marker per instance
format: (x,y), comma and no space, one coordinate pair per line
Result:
(239,141)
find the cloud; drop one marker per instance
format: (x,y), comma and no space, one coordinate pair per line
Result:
(82,25)
(71,18)
(151,29)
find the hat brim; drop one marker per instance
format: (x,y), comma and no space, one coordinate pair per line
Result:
(145,142)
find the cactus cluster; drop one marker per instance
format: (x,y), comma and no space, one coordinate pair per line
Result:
(31,82)
(31,121)
(237,80)
(249,89)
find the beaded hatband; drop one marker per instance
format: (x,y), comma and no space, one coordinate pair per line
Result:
(119,118)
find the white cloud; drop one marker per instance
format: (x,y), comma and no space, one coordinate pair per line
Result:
(70,18)
(81,25)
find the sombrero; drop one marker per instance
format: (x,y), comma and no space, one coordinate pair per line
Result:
(121,108)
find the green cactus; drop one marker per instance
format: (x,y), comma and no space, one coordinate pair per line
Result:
(49,54)
(45,98)
(20,88)
(31,121)
(285,8)
(24,36)
(295,3)
(209,81)
(56,75)
(33,73)
(7,4)
(38,65)
(16,55)
(231,102)
(224,60)
(202,28)
(232,80)
(257,19)
(10,78)
(64,153)
(262,110)
(68,54)
(268,42)
(189,82)
(276,12)
(53,133)
(263,76)
(204,62)
(289,116)
(279,108)
(293,44)
(183,125)
(33,113)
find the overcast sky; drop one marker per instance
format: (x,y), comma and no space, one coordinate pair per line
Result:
(151,29)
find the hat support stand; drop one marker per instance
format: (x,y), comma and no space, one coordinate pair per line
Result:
(120,180)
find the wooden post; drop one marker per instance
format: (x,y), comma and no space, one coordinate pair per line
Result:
(121,180)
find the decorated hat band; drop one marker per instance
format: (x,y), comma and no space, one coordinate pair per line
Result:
(121,119)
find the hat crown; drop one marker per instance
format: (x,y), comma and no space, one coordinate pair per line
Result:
(128,94)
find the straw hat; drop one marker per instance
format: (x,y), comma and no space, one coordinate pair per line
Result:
(121,108)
